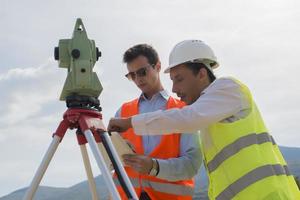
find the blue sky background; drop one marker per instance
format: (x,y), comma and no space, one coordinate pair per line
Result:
(255,41)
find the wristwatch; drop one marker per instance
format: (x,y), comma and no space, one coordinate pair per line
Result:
(154,171)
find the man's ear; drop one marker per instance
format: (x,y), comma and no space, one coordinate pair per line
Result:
(158,66)
(202,73)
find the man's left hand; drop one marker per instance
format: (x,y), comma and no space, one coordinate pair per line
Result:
(140,163)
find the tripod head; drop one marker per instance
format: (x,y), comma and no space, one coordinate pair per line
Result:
(79,55)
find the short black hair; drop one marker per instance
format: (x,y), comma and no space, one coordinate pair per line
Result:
(195,67)
(141,50)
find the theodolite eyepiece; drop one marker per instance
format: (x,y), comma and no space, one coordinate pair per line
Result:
(79,56)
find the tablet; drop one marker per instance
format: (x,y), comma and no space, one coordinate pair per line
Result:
(121,146)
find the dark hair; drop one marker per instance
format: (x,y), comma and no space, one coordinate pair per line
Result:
(141,50)
(195,67)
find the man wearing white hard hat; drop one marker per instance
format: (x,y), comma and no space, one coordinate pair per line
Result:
(241,157)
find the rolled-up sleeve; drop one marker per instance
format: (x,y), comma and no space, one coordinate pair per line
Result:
(187,164)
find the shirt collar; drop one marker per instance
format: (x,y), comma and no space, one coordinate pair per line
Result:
(162,93)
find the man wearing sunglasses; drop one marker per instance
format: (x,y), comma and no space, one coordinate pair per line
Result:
(163,166)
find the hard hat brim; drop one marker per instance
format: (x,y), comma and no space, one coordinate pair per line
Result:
(168,69)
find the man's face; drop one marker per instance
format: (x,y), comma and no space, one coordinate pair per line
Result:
(145,76)
(186,85)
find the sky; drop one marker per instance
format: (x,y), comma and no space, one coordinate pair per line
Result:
(255,41)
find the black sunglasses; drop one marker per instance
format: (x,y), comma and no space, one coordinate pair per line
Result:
(140,73)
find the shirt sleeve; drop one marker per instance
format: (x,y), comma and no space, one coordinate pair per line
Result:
(220,100)
(187,164)
(118,113)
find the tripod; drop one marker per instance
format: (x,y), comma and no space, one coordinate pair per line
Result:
(90,129)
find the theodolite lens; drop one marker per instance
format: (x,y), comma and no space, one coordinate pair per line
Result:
(75,53)
(98,53)
(56,53)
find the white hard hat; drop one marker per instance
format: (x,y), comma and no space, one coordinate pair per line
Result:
(192,51)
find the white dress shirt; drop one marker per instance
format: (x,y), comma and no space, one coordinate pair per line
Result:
(221,101)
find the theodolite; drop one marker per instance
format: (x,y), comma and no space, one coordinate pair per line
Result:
(79,55)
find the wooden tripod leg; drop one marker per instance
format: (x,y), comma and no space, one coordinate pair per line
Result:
(42,168)
(88,171)
(57,137)
(101,164)
(106,158)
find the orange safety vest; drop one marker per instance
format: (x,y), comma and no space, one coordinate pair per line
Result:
(169,147)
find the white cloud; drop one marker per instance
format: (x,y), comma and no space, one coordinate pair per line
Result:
(27,92)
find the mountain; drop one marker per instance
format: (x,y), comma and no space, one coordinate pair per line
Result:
(292,157)
(43,192)
(80,191)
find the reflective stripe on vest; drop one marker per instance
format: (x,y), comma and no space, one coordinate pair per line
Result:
(250,178)
(169,188)
(236,146)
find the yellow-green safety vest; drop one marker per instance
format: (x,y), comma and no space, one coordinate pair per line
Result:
(243,161)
